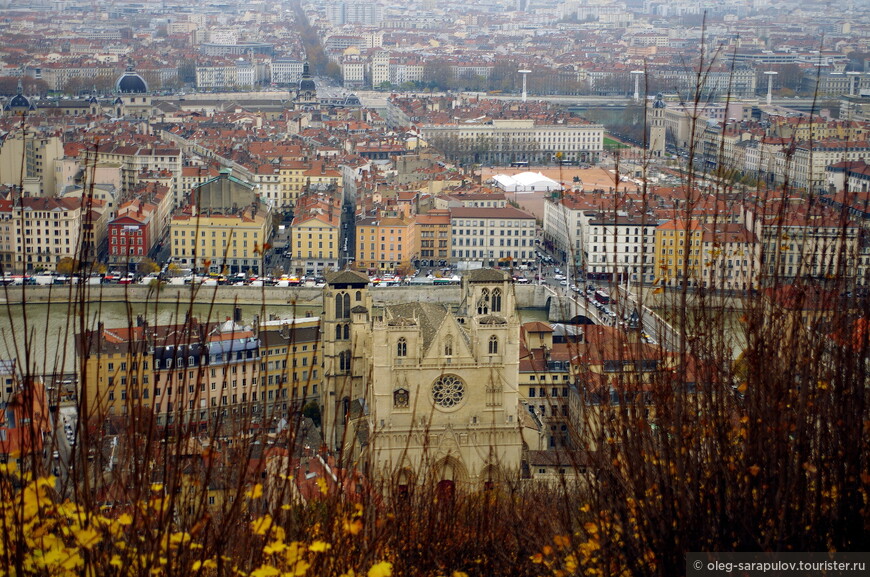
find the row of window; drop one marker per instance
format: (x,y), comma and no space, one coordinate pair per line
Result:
(542,392)
(402,347)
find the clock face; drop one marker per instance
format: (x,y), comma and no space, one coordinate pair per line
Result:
(448,391)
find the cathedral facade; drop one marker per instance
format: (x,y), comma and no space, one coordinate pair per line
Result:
(420,391)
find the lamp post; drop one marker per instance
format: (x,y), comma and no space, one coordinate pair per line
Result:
(524,74)
(637,74)
(770,74)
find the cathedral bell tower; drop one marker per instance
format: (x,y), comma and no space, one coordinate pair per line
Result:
(347,307)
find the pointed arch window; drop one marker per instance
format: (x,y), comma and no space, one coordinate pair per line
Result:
(448,346)
(344,361)
(483,303)
(342,306)
(493,345)
(496,301)
(402,347)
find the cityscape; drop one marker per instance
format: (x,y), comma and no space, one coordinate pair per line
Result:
(496,288)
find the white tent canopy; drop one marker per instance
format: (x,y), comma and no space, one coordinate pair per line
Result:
(526,182)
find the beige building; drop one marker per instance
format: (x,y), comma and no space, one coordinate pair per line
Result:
(228,242)
(315,236)
(36,233)
(422,392)
(30,156)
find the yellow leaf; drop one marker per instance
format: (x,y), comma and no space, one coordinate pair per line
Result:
(116,561)
(300,568)
(265,571)
(591,528)
(261,525)
(319,547)
(353,527)
(256,492)
(561,541)
(179,538)
(459,574)
(156,487)
(742,388)
(274,547)
(658,290)
(125,519)
(87,538)
(321,482)
(382,569)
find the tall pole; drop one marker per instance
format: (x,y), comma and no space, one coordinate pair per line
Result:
(636,74)
(770,74)
(524,73)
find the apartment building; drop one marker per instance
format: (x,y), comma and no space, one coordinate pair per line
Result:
(619,246)
(678,247)
(290,369)
(315,235)
(431,239)
(227,242)
(546,376)
(31,156)
(492,236)
(130,237)
(134,160)
(384,243)
(503,141)
(191,373)
(36,233)
(299,176)
(803,242)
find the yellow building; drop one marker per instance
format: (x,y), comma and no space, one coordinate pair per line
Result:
(384,244)
(290,365)
(315,235)
(678,252)
(226,243)
(118,373)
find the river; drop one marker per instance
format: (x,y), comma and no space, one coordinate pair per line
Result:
(51,327)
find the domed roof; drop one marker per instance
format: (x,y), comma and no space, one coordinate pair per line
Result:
(659,102)
(18,101)
(131,83)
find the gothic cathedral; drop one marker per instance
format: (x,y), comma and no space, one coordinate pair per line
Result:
(422,391)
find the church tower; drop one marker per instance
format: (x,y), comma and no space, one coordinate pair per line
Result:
(306,94)
(347,307)
(657,134)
